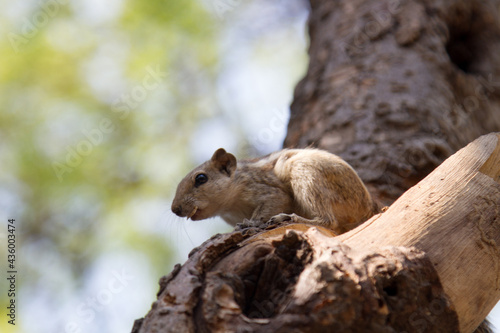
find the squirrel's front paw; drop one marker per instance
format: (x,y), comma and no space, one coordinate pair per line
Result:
(246,223)
(281,218)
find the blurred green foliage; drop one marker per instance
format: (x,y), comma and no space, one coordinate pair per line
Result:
(71,181)
(103,107)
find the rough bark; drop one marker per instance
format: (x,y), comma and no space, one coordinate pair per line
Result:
(396,86)
(424,265)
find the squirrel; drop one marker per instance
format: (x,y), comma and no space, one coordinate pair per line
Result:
(297,185)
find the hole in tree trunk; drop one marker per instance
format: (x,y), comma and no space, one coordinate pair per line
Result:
(462,50)
(470,34)
(274,278)
(391,289)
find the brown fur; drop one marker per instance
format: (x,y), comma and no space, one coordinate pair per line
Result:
(301,185)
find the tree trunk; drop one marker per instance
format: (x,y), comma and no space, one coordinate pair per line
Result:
(394,87)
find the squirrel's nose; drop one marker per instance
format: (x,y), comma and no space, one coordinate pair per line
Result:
(177,210)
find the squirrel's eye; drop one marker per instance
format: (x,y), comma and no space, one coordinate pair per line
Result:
(200,179)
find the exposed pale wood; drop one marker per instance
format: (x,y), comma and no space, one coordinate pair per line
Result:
(453,215)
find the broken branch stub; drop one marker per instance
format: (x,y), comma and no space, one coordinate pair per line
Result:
(301,282)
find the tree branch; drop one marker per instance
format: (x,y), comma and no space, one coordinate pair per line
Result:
(453,215)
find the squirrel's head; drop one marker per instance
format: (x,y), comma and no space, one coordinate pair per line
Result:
(205,190)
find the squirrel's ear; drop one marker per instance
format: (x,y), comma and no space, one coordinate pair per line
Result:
(224,161)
